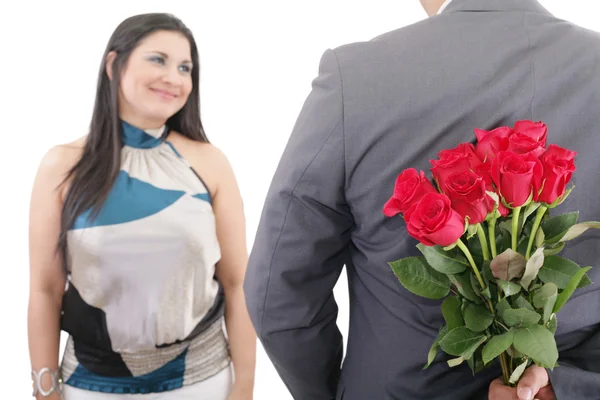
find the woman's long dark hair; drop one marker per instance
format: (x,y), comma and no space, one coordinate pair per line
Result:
(91,179)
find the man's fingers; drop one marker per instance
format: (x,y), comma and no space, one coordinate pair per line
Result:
(499,391)
(546,393)
(534,378)
(533,385)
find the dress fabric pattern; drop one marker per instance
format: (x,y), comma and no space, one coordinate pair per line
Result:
(143,308)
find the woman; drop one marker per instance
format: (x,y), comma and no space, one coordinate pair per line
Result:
(150,229)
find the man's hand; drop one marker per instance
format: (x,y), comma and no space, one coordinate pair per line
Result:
(534,384)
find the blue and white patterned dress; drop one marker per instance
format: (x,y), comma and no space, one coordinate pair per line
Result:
(143,309)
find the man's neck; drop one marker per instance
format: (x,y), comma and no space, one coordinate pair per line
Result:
(433,7)
(443,6)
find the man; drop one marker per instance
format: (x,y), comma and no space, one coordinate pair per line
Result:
(377,108)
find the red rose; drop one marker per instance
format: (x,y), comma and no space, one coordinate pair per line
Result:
(528,137)
(521,144)
(410,187)
(433,221)
(468,195)
(517,176)
(502,209)
(490,143)
(484,170)
(559,166)
(535,130)
(461,158)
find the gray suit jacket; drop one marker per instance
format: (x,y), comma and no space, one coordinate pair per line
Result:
(377,108)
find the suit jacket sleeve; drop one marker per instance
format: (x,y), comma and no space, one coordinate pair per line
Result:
(300,246)
(578,375)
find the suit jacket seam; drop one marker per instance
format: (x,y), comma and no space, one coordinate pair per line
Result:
(343,111)
(292,195)
(287,211)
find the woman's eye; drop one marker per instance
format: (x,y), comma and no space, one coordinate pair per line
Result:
(185,68)
(157,59)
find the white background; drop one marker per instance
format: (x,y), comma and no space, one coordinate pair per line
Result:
(258,59)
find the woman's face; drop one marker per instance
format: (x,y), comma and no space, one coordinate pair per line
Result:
(156,80)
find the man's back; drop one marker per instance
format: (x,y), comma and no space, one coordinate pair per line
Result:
(405,96)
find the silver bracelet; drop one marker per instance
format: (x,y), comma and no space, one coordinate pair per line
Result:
(37,382)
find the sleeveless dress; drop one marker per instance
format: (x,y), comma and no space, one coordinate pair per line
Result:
(143,308)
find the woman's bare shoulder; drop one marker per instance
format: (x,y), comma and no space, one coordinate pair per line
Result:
(207,159)
(63,156)
(195,148)
(60,159)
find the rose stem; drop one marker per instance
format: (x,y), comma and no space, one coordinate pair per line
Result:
(467,253)
(483,241)
(492,235)
(536,224)
(503,364)
(515,227)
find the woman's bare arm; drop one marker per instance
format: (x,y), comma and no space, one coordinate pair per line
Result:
(47,279)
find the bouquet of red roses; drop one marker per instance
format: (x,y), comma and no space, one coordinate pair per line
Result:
(486,236)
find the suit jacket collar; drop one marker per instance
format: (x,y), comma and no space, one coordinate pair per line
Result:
(495,5)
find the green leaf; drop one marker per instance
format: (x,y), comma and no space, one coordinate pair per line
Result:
(474,246)
(463,285)
(516,375)
(570,288)
(477,317)
(537,343)
(419,278)
(561,198)
(530,209)
(535,286)
(471,362)
(475,285)
(520,317)
(532,267)
(504,242)
(555,228)
(545,298)
(506,226)
(522,244)
(526,231)
(551,250)
(508,288)
(446,262)
(521,302)
(514,353)
(584,282)
(560,271)
(578,229)
(455,362)
(497,345)
(462,342)
(540,236)
(433,351)
(552,324)
(476,362)
(508,265)
(435,346)
(487,293)
(486,272)
(471,231)
(502,306)
(452,311)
